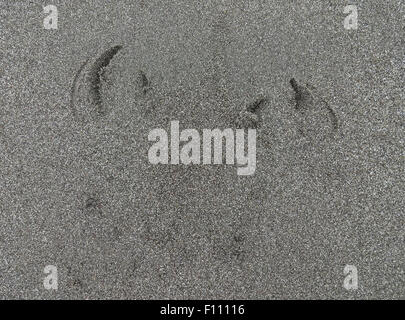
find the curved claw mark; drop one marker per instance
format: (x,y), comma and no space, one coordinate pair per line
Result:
(74,86)
(92,76)
(95,74)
